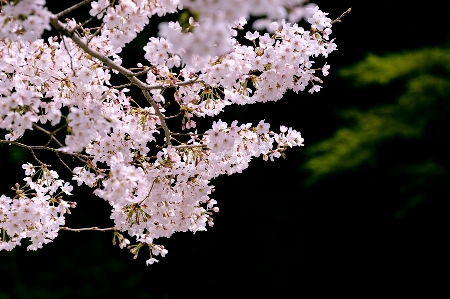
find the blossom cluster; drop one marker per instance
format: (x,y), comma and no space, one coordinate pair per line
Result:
(37,210)
(27,20)
(217,23)
(157,180)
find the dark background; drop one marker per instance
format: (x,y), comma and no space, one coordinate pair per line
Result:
(275,236)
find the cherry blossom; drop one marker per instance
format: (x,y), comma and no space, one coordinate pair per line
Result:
(156,178)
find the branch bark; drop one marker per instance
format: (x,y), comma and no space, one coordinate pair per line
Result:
(94,228)
(129,74)
(70,9)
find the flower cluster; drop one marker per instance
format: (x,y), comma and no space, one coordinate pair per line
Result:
(37,211)
(24,19)
(157,180)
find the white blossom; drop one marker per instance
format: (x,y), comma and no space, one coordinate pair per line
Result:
(155,187)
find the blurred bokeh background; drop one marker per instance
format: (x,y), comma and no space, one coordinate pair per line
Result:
(360,209)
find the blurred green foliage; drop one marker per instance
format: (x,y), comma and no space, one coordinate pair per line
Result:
(406,138)
(405,65)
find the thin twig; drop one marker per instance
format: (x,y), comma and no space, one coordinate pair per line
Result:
(159,114)
(190,146)
(96,32)
(51,134)
(39,161)
(70,55)
(70,9)
(189,82)
(188,134)
(94,228)
(143,72)
(122,86)
(341,16)
(151,188)
(174,116)
(67,166)
(40,147)
(173,138)
(48,142)
(93,17)
(59,129)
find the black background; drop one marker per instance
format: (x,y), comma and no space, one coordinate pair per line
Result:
(273,237)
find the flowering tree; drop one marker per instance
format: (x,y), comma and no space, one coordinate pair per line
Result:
(155,177)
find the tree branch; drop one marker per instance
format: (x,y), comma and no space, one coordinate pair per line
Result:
(122,86)
(174,116)
(189,82)
(70,9)
(84,46)
(129,74)
(188,134)
(52,136)
(48,133)
(341,16)
(67,166)
(39,147)
(159,114)
(190,146)
(94,228)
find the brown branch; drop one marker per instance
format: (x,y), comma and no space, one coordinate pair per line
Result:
(93,17)
(143,72)
(40,147)
(39,161)
(48,142)
(70,56)
(338,20)
(70,9)
(174,116)
(151,188)
(173,138)
(51,134)
(67,166)
(189,82)
(188,134)
(122,86)
(94,228)
(190,146)
(59,129)
(85,47)
(127,73)
(159,114)
(96,33)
